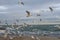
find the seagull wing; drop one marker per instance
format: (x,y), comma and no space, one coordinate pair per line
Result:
(51,9)
(28,13)
(20,2)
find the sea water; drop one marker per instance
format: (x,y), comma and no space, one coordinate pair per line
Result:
(38,30)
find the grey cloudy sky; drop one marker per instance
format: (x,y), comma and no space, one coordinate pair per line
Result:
(9,9)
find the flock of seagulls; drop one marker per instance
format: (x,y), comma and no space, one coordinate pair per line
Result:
(29,13)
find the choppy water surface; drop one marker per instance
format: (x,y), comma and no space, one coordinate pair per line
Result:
(49,30)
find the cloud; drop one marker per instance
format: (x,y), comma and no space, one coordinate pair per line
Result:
(45,8)
(3,12)
(3,8)
(12,8)
(8,2)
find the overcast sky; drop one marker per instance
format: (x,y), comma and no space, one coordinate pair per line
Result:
(10,9)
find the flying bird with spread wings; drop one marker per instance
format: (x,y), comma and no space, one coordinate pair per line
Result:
(51,9)
(20,2)
(28,13)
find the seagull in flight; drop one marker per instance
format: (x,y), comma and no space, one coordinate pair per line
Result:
(28,13)
(20,2)
(51,9)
